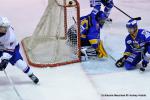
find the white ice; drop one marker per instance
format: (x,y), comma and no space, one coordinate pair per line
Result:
(89,80)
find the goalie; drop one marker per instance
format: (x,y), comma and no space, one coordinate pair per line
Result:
(90,27)
(137,47)
(90,34)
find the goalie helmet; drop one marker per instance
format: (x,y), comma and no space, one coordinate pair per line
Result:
(132,26)
(4,22)
(101,17)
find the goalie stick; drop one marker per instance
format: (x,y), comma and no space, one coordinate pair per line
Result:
(136,18)
(74,20)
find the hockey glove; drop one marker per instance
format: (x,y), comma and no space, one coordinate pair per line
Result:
(144,63)
(3,64)
(120,62)
(142,69)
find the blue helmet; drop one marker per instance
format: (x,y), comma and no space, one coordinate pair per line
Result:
(132,24)
(100,16)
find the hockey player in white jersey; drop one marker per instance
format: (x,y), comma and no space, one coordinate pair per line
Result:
(9,50)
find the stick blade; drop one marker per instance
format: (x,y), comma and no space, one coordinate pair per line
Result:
(137,18)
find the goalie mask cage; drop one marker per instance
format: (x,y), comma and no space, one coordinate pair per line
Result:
(49,45)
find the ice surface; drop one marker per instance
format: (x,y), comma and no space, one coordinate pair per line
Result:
(65,83)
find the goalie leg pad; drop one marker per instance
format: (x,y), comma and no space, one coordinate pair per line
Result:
(101,51)
(87,52)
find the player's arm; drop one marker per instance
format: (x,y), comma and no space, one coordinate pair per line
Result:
(9,47)
(146,56)
(94,36)
(108,6)
(94,3)
(147,36)
(97,6)
(7,55)
(5,59)
(97,44)
(83,26)
(147,43)
(120,62)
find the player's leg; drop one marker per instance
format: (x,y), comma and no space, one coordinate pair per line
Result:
(72,41)
(85,42)
(98,45)
(18,61)
(132,61)
(101,50)
(87,51)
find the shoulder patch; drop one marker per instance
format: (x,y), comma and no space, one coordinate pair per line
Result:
(146,33)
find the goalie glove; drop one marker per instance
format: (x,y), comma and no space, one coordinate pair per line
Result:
(3,64)
(109,20)
(120,62)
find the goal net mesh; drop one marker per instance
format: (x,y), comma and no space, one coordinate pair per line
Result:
(56,39)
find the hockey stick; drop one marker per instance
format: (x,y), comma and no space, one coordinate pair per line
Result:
(74,20)
(11,82)
(136,18)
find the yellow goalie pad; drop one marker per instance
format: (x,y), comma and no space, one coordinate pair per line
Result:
(101,51)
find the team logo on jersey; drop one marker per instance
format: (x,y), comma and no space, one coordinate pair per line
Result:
(129,42)
(142,44)
(136,44)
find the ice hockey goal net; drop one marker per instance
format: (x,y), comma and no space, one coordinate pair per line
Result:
(56,39)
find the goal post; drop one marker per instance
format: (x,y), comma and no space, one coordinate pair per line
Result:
(50,45)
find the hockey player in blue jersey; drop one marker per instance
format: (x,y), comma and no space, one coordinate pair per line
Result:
(9,50)
(137,47)
(108,5)
(90,31)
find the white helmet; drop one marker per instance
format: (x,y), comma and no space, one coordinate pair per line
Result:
(4,22)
